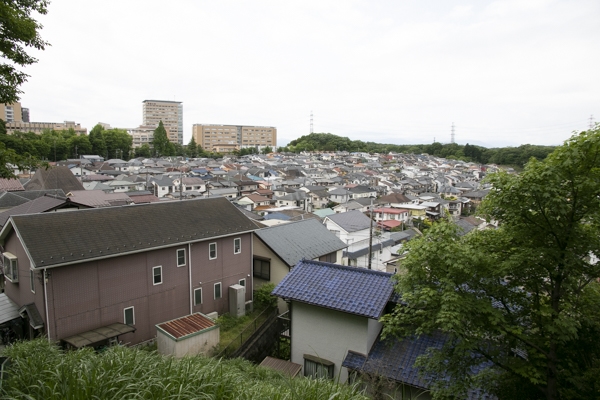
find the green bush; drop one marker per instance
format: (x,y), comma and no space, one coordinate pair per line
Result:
(263,297)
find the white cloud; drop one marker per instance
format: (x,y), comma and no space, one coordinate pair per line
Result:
(505,72)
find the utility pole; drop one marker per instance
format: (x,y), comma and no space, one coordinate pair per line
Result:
(181,186)
(371,234)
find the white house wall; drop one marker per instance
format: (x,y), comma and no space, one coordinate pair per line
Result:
(327,334)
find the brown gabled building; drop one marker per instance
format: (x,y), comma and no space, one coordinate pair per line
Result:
(131,267)
(54,178)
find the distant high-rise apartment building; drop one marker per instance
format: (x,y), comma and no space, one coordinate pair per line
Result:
(171,115)
(11,112)
(227,138)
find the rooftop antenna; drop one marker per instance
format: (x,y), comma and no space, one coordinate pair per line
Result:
(311,121)
(452,134)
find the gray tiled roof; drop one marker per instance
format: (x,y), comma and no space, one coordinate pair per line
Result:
(297,240)
(54,239)
(358,291)
(41,204)
(351,221)
(12,199)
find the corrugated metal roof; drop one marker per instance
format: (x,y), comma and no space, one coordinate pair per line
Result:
(8,309)
(352,290)
(188,325)
(286,367)
(297,240)
(99,334)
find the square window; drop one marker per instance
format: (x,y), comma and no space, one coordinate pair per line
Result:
(237,246)
(243,282)
(156,275)
(218,290)
(212,251)
(262,269)
(129,316)
(197,296)
(316,367)
(331,257)
(180,257)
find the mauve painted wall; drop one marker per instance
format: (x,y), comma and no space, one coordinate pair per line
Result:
(93,294)
(228,268)
(20,292)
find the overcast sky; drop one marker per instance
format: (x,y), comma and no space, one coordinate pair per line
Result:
(504,72)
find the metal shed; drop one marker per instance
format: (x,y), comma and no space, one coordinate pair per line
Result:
(190,335)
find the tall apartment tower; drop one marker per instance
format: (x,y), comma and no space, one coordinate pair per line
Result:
(227,138)
(12,112)
(170,113)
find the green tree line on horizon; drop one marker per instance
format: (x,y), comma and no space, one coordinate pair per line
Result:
(516,156)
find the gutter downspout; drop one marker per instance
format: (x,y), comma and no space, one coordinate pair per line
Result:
(190,277)
(46,303)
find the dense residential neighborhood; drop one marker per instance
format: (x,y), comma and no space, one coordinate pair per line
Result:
(446,247)
(112,251)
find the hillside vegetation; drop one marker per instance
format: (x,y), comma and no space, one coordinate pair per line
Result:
(40,370)
(517,156)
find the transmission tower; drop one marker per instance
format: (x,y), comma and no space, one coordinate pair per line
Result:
(591,121)
(311,121)
(452,134)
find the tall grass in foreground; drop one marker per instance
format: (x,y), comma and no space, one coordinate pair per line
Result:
(40,370)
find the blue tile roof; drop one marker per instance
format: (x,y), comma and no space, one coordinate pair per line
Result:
(354,360)
(352,290)
(394,359)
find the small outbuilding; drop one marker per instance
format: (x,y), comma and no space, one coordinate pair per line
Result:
(187,336)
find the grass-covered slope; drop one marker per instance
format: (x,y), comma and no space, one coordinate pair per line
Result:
(40,370)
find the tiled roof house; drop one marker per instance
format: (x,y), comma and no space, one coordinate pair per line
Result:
(334,309)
